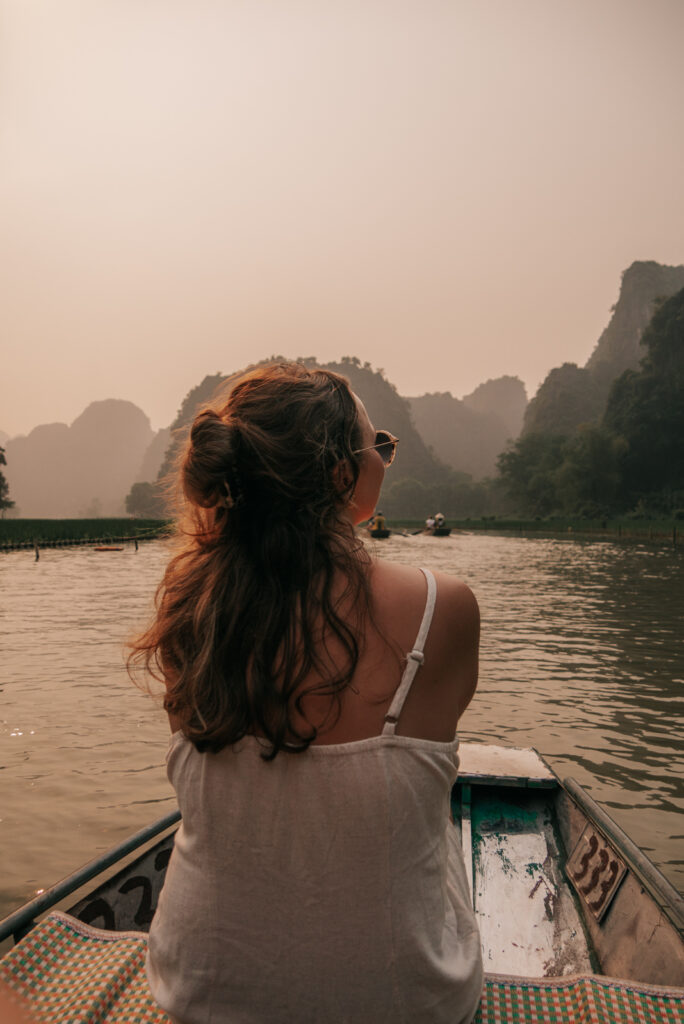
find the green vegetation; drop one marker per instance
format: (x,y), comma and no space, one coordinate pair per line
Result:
(5,502)
(646,409)
(664,531)
(453,494)
(596,445)
(145,499)
(384,404)
(568,396)
(469,433)
(572,395)
(48,531)
(632,463)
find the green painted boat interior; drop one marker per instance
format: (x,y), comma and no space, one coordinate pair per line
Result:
(558,889)
(529,921)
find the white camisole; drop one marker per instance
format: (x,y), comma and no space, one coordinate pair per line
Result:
(327,886)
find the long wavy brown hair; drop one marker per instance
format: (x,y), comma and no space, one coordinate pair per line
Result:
(251,600)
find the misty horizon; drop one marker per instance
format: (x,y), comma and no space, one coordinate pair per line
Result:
(191,384)
(448,191)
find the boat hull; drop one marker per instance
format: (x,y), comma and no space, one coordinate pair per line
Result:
(537,877)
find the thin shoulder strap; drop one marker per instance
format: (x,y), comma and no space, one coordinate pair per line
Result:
(414,659)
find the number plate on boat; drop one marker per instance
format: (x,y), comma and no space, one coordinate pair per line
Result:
(596,871)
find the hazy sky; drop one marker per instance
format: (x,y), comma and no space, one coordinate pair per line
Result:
(449,190)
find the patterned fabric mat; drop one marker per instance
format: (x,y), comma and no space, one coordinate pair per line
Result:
(588,999)
(71,973)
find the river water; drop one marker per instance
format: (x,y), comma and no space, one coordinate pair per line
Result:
(582,657)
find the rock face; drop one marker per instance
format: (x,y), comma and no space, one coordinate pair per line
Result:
(197,396)
(154,455)
(385,406)
(646,409)
(82,470)
(569,396)
(389,411)
(504,398)
(619,348)
(572,395)
(436,431)
(470,433)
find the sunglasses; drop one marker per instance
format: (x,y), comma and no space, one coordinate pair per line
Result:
(385,445)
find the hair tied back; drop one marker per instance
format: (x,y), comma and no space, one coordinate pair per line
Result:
(210,477)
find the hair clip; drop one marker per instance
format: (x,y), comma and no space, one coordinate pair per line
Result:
(232,485)
(226,501)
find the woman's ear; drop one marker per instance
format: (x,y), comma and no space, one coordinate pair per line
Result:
(343,478)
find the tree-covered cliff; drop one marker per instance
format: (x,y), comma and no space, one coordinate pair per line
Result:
(468,434)
(646,409)
(572,396)
(5,500)
(634,459)
(621,346)
(416,465)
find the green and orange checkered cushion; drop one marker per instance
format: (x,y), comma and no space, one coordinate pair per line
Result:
(70,973)
(73,974)
(587,999)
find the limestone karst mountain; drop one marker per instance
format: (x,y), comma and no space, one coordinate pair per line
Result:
(154,455)
(82,469)
(385,406)
(387,409)
(197,396)
(572,395)
(464,435)
(504,397)
(91,466)
(468,434)
(644,285)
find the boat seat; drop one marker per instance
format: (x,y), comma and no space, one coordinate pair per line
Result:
(484,764)
(69,971)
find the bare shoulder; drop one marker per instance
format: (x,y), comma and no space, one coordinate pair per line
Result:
(455,599)
(456,603)
(454,639)
(447,679)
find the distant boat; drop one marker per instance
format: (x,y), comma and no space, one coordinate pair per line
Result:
(380,533)
(440,531)
(107,547)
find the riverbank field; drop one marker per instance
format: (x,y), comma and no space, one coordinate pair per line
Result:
(661,531)
(16,533)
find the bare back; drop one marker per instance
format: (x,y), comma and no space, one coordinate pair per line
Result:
(446,681)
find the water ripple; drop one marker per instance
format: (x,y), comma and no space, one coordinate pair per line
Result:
(582,658)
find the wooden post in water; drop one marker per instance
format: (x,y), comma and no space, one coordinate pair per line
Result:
(35,548)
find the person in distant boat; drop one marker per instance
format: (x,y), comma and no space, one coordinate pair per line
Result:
(430,523)
(439,520)
(313,693)
(378,521)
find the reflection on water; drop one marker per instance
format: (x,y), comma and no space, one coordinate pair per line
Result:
(582,657)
